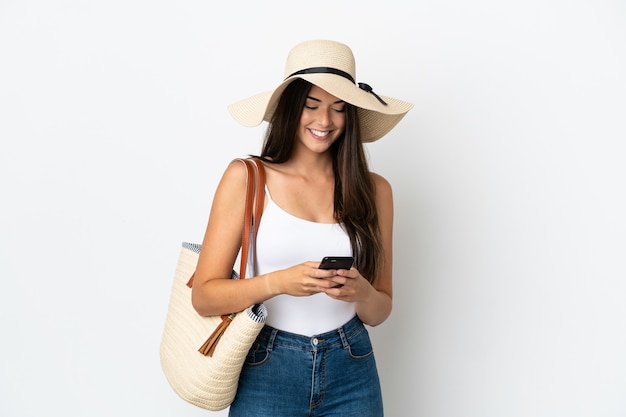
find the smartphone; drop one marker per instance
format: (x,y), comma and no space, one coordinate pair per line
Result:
(336,262)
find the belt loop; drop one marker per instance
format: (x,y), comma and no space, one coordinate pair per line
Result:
(344,339)
(270,341)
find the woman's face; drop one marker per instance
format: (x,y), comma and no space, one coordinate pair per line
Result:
(322,121)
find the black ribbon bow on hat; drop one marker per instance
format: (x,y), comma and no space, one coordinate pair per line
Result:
(366,87)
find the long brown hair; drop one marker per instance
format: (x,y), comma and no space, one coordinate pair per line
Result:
(354,198)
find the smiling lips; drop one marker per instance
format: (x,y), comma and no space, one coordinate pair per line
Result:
(319,133)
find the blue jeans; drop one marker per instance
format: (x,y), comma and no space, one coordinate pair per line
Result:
(331,374)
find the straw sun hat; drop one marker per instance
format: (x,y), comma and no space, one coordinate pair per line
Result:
(329,65)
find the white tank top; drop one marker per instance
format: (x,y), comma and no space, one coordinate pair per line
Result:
(285,240)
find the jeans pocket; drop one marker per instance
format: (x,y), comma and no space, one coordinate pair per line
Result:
(257,355)
(360,346)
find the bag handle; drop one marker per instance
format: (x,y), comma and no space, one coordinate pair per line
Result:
(254,203)
(255,200)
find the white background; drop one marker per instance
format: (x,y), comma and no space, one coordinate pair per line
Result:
(509,182)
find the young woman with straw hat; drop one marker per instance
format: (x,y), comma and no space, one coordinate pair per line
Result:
(314,356)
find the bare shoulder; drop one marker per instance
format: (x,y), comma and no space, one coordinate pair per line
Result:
(235,174)
(383,187)
(236,167)
(231,189)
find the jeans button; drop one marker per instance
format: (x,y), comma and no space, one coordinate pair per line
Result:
(315,341)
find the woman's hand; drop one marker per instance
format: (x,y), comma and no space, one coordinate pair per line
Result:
(372,305)
(300,280)
(346,285)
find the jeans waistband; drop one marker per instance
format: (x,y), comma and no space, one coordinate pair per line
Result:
(337,337)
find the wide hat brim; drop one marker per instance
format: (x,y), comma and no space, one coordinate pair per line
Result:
(376,119)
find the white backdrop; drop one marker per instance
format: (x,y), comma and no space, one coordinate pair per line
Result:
(508,176)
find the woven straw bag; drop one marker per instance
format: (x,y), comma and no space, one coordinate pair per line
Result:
(202,357)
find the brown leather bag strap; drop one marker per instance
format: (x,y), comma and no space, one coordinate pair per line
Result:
(259,199)
(259,192)
(255,200)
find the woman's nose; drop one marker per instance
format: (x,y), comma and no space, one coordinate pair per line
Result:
(323,118)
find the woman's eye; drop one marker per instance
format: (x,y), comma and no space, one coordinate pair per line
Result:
(341,110)
(311,107)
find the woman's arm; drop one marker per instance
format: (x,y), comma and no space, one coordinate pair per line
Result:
(376,306)
(373,302)
(213,292)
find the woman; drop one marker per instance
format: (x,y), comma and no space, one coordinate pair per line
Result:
(314,356)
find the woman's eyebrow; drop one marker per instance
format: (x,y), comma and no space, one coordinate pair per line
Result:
(319,101)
